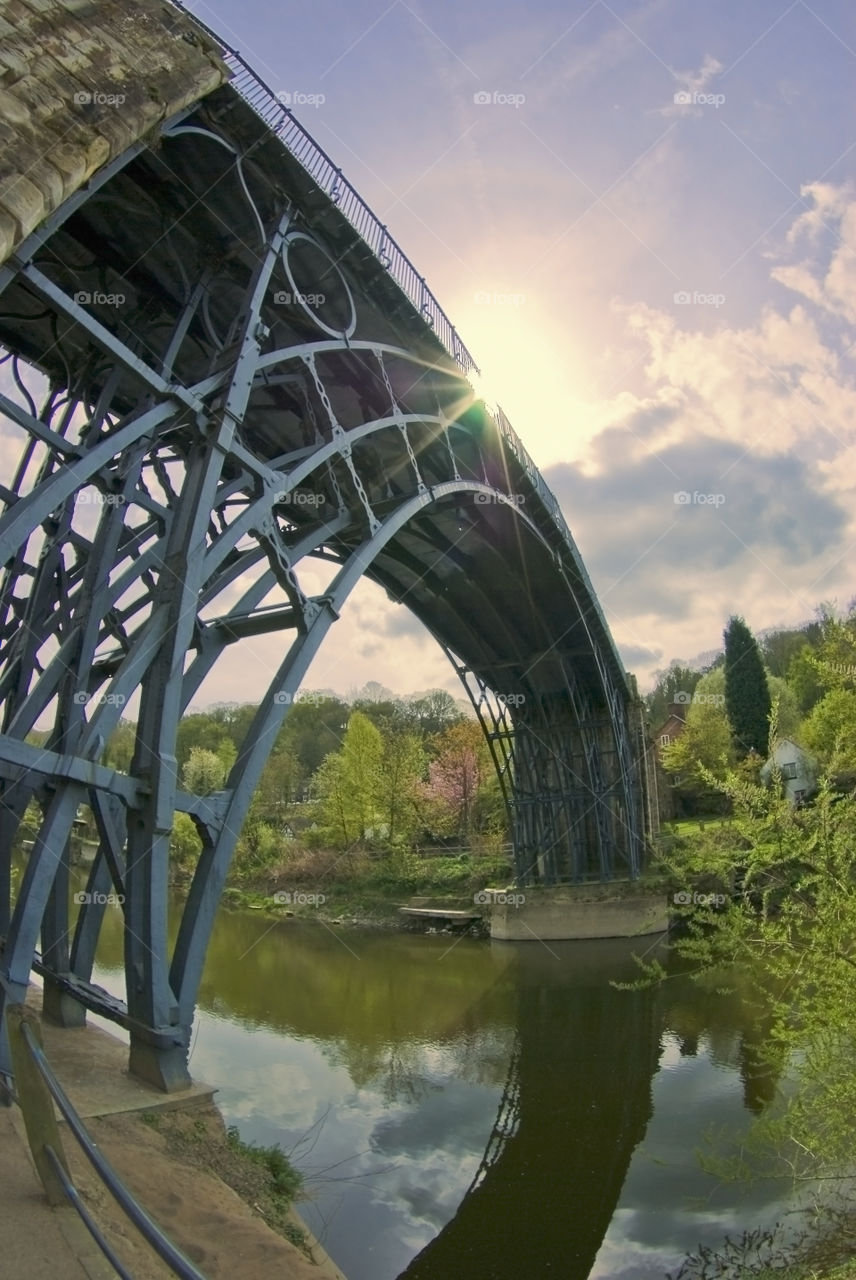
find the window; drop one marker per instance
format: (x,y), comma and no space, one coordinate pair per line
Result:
(789,770)
(665,739)
(799,796)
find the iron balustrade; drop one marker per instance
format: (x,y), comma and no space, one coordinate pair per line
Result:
(330,179)
(180,1265)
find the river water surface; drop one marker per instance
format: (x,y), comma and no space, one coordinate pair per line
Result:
(472,1110)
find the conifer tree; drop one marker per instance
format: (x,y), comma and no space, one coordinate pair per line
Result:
(747,697)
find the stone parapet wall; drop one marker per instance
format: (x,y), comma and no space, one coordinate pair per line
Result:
(80,82)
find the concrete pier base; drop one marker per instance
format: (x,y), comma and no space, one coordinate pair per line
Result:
(574,911)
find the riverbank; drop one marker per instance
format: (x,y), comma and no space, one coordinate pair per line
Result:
(370,893)
(227,1206)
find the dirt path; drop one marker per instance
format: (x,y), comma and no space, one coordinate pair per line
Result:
(181,1168)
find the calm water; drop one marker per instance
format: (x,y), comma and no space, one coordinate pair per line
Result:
(467,1110)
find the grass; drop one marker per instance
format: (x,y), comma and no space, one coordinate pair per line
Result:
(367,889)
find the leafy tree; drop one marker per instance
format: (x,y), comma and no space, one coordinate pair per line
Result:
(705,747)
(788,716)
(789,924)
(436,711)
(185,844)
(312,729)
(779,648)
(455,777)
(279,787)
(348,784)
(747,698)
(674,681)
(830,733)
(401,767)
(201,730)
(804,679)
(120,748)
(203,772)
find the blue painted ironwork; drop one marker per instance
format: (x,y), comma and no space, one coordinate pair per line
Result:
(196,420)
(178,1264)
(280,120)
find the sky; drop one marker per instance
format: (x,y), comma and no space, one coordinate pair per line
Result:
(641,217)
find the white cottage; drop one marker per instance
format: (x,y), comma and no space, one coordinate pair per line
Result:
(797,767)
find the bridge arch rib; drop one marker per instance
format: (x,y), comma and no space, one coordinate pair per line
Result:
(215,381)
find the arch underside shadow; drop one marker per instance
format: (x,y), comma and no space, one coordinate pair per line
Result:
(568,1122)
(229,386)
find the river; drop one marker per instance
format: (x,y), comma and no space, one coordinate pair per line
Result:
(477,1110)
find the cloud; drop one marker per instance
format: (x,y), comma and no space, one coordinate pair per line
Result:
(753,425)
(691,94)
(828,278)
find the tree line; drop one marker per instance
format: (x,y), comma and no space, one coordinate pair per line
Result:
(376,773)
(808,674)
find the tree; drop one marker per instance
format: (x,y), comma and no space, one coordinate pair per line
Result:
(313,727)
(455,777)
(436,711)
(747,698)
(202,729)
(779,648)
(830,732)
(804,679)
(676,684)
(279,787)
(705,746)
(185,845)
(348,785)
(203,773)
(788,922)
(120,747)
(788,717)
(401,767)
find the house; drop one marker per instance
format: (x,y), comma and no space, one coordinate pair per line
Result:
(797,768)
(667,733)
(671,728)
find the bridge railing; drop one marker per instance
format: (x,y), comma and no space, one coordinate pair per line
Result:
(38,1088)
(276,115)
(331,181)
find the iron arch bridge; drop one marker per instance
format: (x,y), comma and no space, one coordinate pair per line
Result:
(218,368)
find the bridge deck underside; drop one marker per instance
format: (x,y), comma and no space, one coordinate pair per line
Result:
(231,387)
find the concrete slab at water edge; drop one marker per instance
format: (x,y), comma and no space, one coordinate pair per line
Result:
(567,913)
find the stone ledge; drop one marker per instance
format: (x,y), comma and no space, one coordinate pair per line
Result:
(556,914)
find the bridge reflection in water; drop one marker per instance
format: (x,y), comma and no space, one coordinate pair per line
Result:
(555,1163)
(488,1095)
